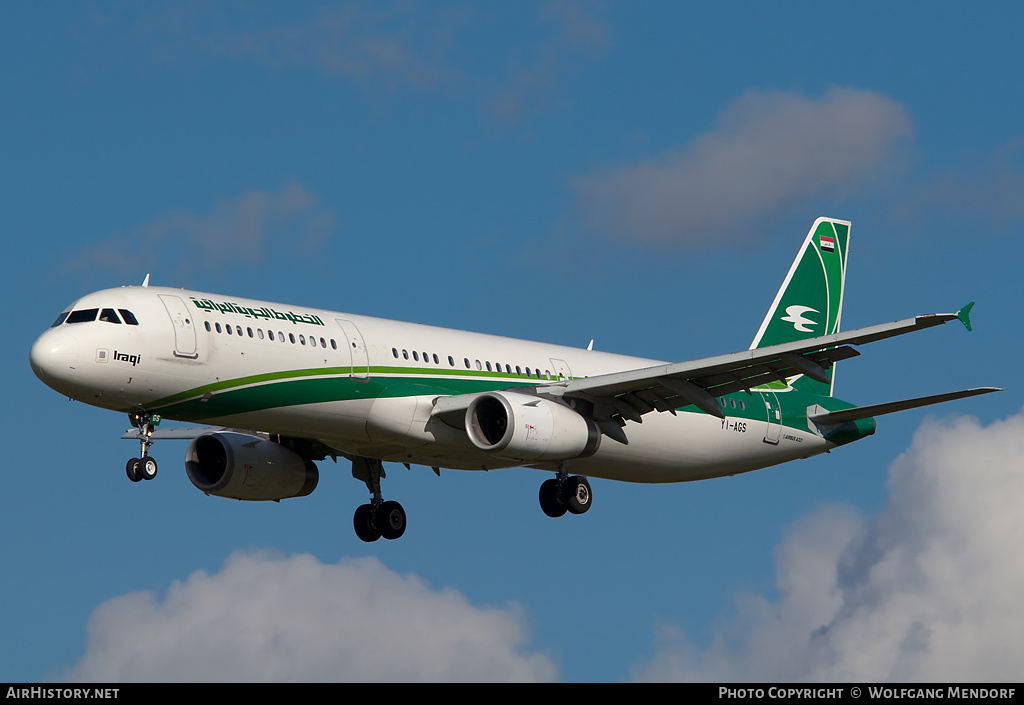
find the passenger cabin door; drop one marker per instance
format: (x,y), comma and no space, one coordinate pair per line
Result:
(560,369)
(184,327)
(356,348)
(774,412)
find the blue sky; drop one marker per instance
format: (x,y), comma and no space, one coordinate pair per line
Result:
(637,174)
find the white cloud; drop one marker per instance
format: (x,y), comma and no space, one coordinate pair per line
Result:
(930,590)
(242,229)
(388,42)
(768,152)
(572,33)
(296,619)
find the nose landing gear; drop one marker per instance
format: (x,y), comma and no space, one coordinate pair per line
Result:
(143,468)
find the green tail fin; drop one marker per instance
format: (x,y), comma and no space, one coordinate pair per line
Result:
(810,302)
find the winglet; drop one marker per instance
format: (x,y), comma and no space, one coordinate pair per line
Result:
(964,315)
(145,282)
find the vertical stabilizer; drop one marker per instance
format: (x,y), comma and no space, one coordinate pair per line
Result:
(810,302)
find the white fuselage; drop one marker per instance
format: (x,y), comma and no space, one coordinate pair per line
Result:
(367,386)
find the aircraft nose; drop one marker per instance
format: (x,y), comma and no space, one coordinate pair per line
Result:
(54,358)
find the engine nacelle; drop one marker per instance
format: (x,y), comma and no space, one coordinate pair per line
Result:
(524,427)
(241,466)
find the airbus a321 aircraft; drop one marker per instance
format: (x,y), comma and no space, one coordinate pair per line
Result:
(286,386)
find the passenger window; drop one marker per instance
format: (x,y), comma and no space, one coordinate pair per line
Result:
(466,360)
(128,317)
(209,328)
(478,365)
(302,339)
(238,329)
(527,371)
(323,344)
(249,330)
(280,336)
(107,315)
(270,334)
(334,346)
(291,337)
(415,356)
(312,341)
(488,366)
(217,326)
(451,361)
(519,371)
(228,329)
(435,359)
(259,333)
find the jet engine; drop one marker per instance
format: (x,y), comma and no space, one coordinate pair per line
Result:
(241,466)
(523,427)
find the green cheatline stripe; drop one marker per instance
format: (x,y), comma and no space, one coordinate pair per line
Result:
(330,384)
(242,381)
(322,373)
(293,392)
(281,393)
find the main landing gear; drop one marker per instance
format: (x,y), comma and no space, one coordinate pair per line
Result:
(378,518)
(565,493)
(143,468)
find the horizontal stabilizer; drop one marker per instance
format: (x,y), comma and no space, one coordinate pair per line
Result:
(863,412)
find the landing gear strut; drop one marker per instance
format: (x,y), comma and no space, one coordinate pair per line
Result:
(378,518)
(143,468)
(565,493)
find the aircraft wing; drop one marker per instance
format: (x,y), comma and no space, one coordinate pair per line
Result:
(632,393)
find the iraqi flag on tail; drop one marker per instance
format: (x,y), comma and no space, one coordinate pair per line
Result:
(828,243)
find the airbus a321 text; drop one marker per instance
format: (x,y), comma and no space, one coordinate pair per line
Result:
(285,386)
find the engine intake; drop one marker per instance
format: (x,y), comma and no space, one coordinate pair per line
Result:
(524,427)
(241,466)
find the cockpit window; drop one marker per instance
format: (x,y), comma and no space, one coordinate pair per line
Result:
(83,316)
(128,317)
(60,318)
(107,315)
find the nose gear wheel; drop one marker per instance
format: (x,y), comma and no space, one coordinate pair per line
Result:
(143,468)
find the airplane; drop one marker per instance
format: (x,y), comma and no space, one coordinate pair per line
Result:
(280,387)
